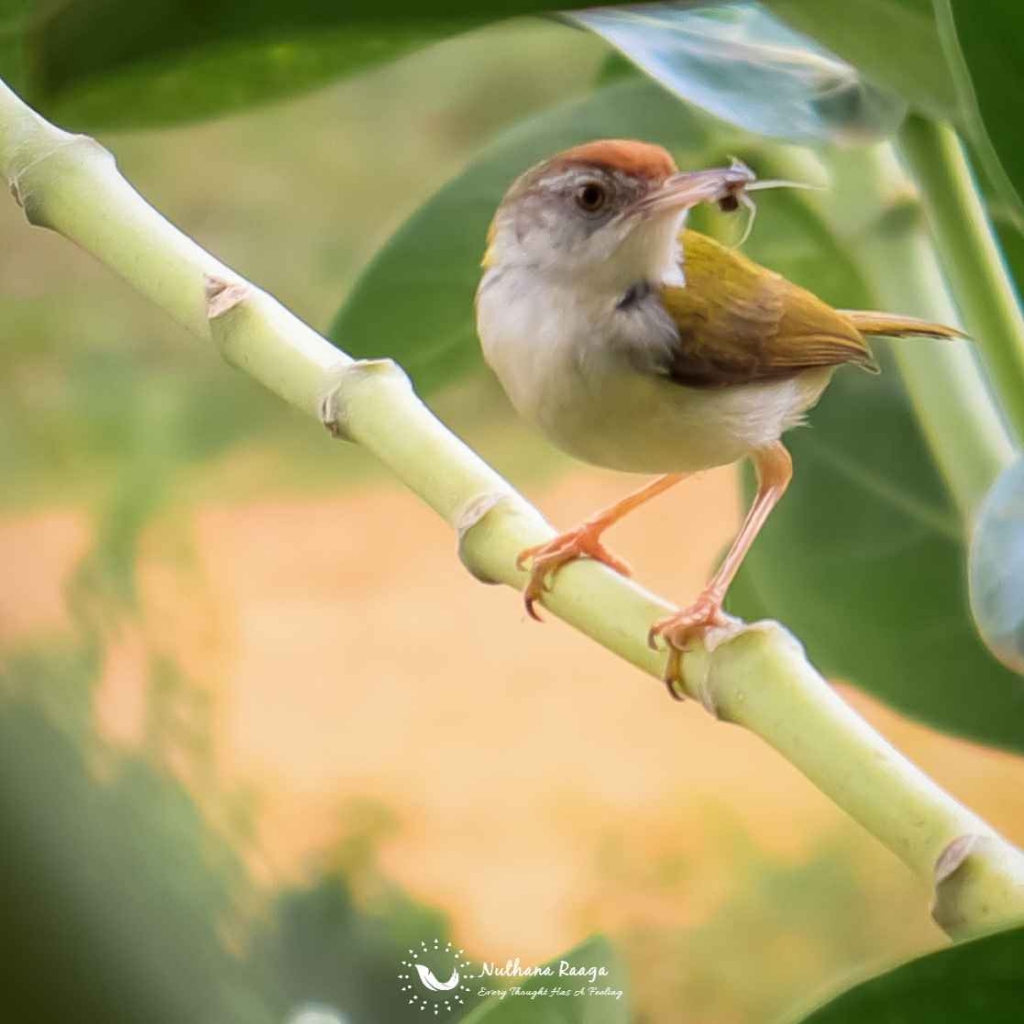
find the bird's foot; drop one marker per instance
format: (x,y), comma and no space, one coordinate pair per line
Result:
(546,559)
(681,629)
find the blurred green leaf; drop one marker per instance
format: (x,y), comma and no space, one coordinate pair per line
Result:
(982,45)
(740,63)
(14,23)
(219,77)
(894,43)
(550,1008)
(322,944)
(119,63)
(124,871)
(979,982)
(414,300)
(997,568)
(864,558)
(15,16)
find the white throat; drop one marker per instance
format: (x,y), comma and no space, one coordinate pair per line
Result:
(653,253)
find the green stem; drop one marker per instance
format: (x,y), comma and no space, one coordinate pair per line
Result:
(756,676)
(954,406)
(970,256)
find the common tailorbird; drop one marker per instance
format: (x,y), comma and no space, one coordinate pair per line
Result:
(635,344)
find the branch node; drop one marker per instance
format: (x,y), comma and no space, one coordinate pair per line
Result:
(471,515)
(223,295)
(953,856)
(707,687)
(345,381)
(979,885)
(331,417)
(955,875)
(30,172)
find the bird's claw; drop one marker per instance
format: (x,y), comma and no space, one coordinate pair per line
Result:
(547,559)
(533,592)
(681,629)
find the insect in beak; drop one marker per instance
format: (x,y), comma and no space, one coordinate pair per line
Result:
(738,196)
(688,188)
(726,186)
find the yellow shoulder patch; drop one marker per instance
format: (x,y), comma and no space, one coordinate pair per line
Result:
(489,256)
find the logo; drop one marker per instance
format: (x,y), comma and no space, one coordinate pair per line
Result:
(438,976)
(434,976)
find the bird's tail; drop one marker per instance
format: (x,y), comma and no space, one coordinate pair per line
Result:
(869,322)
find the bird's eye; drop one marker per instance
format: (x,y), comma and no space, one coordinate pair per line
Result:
(591,196)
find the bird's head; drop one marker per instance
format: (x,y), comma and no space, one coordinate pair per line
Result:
(607,212)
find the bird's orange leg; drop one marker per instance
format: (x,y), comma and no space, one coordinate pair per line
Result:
(585,539)
(774,471)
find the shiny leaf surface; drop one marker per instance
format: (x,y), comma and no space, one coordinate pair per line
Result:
(894,43)
(745,66)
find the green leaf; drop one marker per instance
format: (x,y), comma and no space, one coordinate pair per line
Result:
(895,43)
(15,14)
(979,982)
(580,1006)
(981,41)
(15,19)
(414,300)
(997,568)
(120,63)
(216,79)
(740,63)
(864,557)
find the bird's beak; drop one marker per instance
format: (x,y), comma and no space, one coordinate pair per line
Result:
(689,188)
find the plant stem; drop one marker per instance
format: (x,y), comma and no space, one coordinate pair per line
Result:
(814,729)
(970,256)
(954,406)
(756,676)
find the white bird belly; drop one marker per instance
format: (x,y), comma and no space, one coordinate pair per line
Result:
(653,425)
(596,405)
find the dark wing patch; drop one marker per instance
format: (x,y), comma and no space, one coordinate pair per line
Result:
(738,322)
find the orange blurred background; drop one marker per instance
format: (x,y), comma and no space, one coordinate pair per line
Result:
(515,775)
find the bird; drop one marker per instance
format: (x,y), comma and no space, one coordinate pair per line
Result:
(637,344)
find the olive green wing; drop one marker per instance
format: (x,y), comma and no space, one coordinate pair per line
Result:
(739,323)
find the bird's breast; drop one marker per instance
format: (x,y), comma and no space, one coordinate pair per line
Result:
(535,339)
(584,371)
